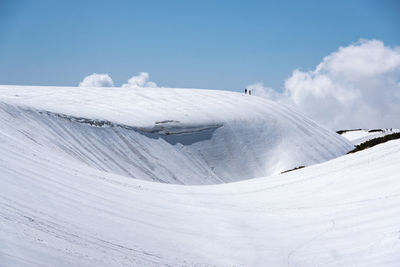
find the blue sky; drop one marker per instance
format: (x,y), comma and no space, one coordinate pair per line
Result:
(200,44)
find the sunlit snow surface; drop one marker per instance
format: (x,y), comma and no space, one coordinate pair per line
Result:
(56,210)
(181,136)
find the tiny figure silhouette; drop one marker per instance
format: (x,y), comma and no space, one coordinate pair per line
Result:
(245,91)
(249,92)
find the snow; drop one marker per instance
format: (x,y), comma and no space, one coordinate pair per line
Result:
(61,205)
(181,136)
(360,136)
(344,212)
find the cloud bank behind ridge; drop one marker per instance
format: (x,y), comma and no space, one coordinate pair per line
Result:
(357,86)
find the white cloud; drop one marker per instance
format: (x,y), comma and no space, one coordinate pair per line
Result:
(141,80)
(356,86)
(97,80)
(259,89)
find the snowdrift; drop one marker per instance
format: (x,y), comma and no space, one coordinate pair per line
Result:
(180,136)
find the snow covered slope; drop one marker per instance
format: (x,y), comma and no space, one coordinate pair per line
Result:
(62,212)
(67,197)
(181,136)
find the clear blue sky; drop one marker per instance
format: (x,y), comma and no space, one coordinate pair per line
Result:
(201,44)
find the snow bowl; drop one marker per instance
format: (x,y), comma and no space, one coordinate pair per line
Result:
(181,136)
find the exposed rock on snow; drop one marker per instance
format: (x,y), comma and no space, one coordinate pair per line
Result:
(361,135)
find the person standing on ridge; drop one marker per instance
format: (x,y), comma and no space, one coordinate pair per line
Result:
(245,91)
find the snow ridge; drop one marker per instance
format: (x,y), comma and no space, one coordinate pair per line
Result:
(235,137)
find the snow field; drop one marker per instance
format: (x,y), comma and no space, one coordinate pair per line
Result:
(68,197)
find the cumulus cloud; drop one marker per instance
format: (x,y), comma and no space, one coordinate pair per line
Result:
(141,80)
(97,80)
(358,86)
